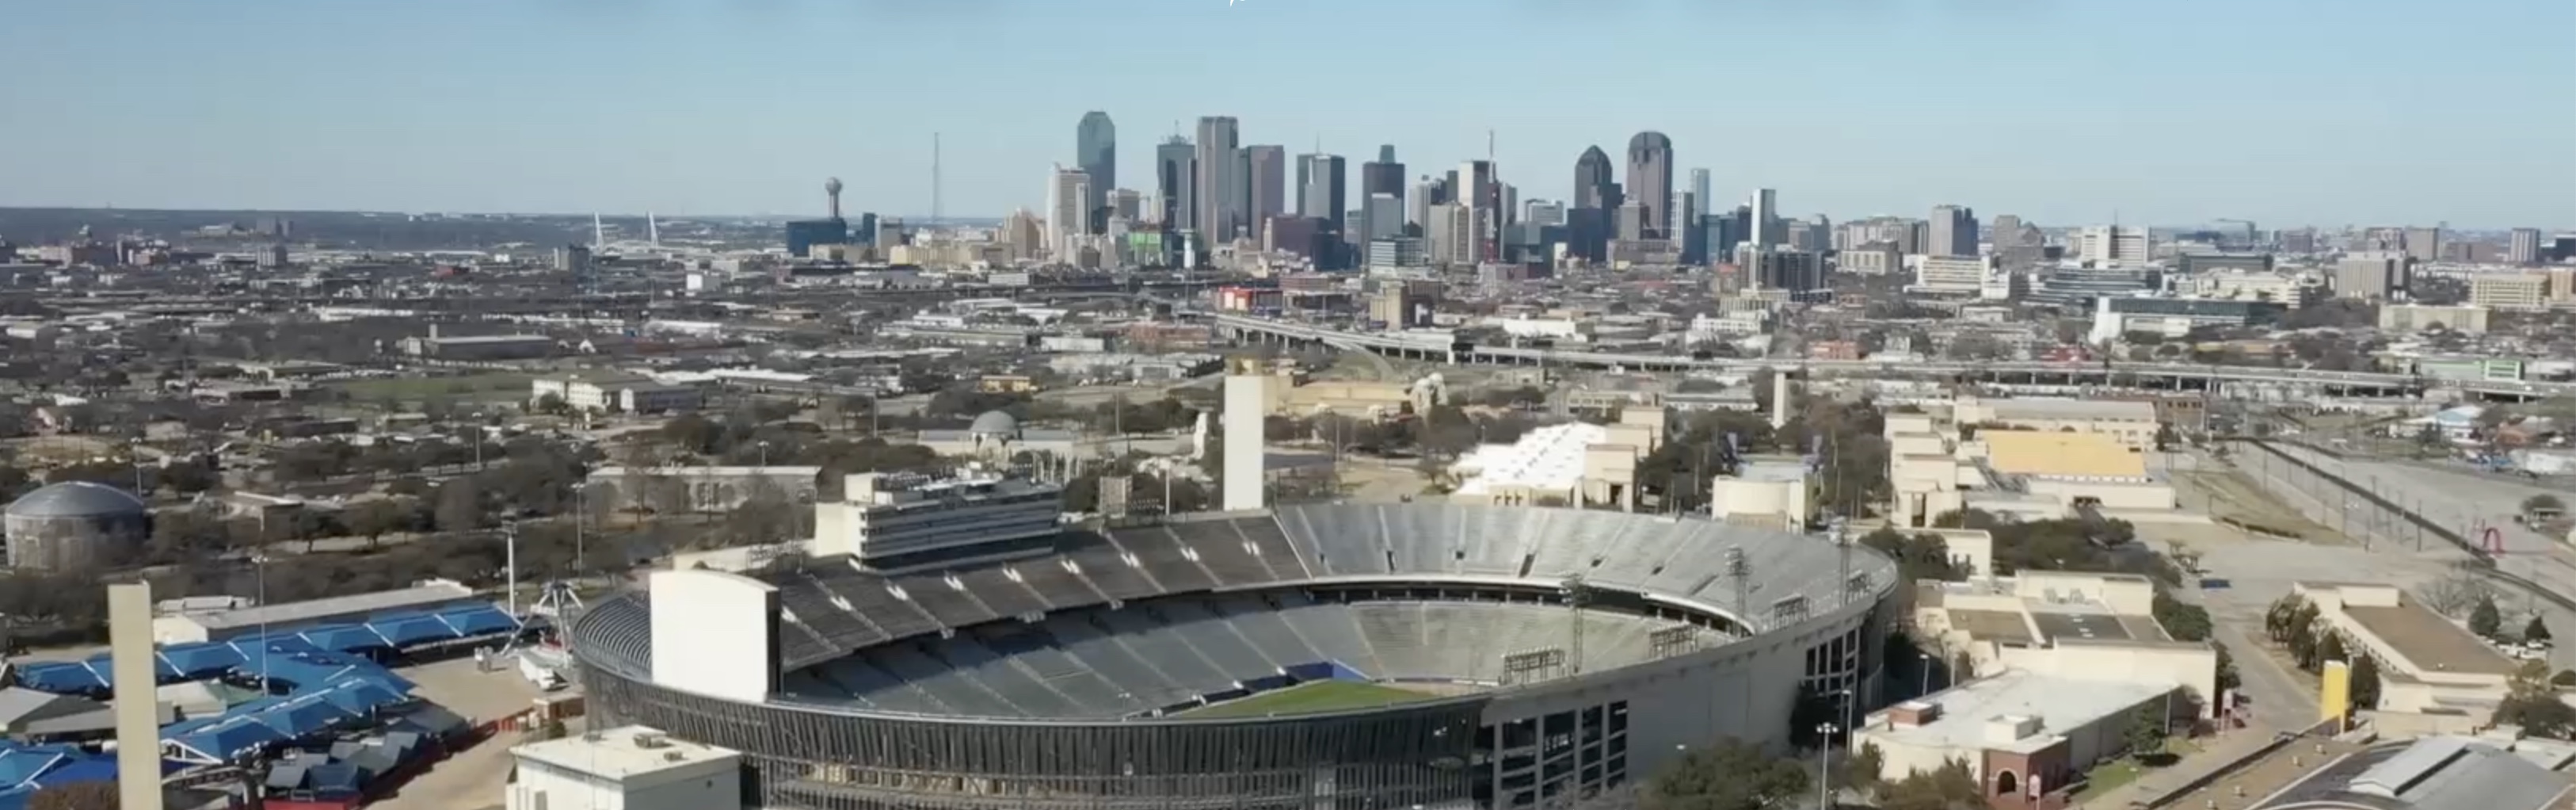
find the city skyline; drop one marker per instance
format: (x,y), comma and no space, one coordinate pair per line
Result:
(533,115)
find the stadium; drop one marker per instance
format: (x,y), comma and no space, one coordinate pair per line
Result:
(1310,656)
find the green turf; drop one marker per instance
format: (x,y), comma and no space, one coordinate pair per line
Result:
(1320,696)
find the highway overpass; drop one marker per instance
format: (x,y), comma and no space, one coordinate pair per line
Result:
(2182,376)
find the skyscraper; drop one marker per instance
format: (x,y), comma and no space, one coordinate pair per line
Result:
(1590,224)
(1219,191)
(1265,185)
(1593,186)
(1068,215)
(2524,248)
(1700,190)
(1095,149)
(2423,244)
(1325,191)
(1382,217)
(1765,230)
(1650,179)
(1954,231)
(1176,183)
(1417,208)
(1482,195)
(1385,175)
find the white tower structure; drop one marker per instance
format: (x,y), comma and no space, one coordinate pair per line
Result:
(1246,403)
(1779,399)
(130,672)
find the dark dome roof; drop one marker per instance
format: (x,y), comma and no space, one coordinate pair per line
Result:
(995,423)
(78,499)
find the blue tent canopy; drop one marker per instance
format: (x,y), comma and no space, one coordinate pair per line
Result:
(225,739)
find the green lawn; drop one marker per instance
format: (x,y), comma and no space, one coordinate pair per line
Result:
(2118,773)
(1320,696)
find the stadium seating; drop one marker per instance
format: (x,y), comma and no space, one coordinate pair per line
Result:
(1151,617)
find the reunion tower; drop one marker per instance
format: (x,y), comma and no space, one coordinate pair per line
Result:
(832,189)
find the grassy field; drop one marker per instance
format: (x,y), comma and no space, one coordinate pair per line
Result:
(1320,696)
(2236,499)
(480,387)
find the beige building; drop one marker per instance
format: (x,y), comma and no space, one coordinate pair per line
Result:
(2058,623)
(2435,677)
(1959,275)
(1292,394)
(2130,423)
(2293,289)
(2369,275)
(2470,320)
(2030,459)
(1773,492)
(2060,664)
(2509,290)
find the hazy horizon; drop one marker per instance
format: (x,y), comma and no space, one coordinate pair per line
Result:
(2286,112)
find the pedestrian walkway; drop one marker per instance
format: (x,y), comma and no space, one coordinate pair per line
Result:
(2220,754)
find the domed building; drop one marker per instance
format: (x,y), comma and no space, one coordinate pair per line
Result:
(997,436)
(74,525)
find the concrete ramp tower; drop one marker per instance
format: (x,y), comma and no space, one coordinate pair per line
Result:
(1780,406)
(130,672)
(1247,401)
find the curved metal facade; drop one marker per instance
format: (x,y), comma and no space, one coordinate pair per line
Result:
(812,757)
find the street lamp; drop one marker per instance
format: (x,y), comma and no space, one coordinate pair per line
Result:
(1926,659)
(478,441)
(764,452)
(1825,785)
(259,568)
(580,515)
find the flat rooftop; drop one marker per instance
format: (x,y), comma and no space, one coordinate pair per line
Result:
(2090,626)
(419,596)
(2100,409)
(2061,454)
(2432,643)
(622,753)
(1993,625)
(2058,703)
(1778,471)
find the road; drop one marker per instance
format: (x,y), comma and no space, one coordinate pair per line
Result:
(2455,501)
(2280,701)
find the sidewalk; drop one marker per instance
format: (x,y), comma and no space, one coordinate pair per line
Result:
(2222,753)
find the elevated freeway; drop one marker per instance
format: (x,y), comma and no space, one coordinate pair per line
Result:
(1431,346)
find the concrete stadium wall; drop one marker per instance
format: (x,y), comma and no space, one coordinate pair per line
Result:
(1745,690)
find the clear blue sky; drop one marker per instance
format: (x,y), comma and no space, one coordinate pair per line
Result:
(2326,112)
